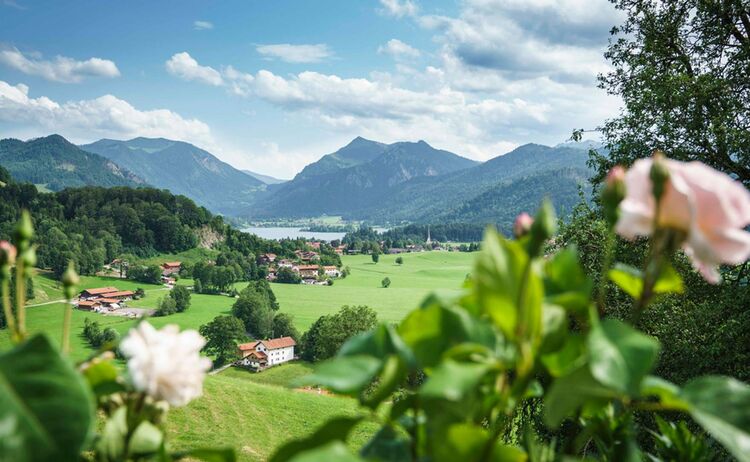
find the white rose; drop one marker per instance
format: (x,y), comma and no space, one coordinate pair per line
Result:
(166,364)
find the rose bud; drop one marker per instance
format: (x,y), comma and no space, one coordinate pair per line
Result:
(522,225)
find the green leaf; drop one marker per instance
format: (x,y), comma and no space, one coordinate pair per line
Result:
(102,377)
(324,442)
(452,381)
(566,359)
(571,392)
(208,455)
(554,328)
(335,451)
(627,278)
(667,392)
(146,439)
(379,343)
(347,375)
(565,283)
(669,281)
(620,356)
(46,408)
(465,442)
(432,330)
(392,375)
(111,444)
(721,405)
(387,445)
(499,275)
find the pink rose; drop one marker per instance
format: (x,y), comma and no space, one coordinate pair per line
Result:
(522,225)
(710,207)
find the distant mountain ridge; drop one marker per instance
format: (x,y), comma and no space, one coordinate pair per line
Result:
(183,169)
(55,163)
(267,179)
(355,177)
(379,190)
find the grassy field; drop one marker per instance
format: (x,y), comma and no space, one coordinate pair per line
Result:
(255,418)
(421,274)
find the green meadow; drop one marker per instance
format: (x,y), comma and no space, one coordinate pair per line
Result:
(255,413)
(421,274)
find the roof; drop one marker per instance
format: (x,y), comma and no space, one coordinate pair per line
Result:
(330,267)
(247,346)
(171,264)
(100,290)
(307,267)
(88,303)
(108,300)
(122,293)
(258,354)
(277,343)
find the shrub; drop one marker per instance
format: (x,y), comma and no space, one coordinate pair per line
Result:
(386,282)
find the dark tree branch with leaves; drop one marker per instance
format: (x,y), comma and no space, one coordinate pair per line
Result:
(682,69)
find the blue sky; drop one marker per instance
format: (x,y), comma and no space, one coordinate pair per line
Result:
(273,85)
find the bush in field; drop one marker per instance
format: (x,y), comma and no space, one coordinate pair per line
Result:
(386,282)
(181,297)
(167,306)
(328,333)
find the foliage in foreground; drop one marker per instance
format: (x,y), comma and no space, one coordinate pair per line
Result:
(461,375)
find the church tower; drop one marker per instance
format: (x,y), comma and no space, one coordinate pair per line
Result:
(428,241)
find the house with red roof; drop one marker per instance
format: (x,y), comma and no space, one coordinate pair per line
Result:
(266,353)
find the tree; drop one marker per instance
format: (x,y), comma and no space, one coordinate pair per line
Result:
(283,326)
(148,274)
(222,335)
(181,297)
(197,286)
(328,333)
(375,257)
(386,282)
(399,260)
(680,68)
(167,306)
(288,276)
(254,310)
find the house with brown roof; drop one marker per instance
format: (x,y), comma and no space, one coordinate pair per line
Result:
(90,294)
(88,305)
(308,271)
(266,353)
(267,259)
(121,295)
(332,271)
(170,267)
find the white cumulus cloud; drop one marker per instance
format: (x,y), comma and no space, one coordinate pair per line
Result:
(295,53)
(399,8)
(398,49)
(105,116)
(59,69)
(183,65)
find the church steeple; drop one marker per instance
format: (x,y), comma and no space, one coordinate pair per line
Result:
(428,241)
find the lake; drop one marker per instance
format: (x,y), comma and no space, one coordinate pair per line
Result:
(291,233)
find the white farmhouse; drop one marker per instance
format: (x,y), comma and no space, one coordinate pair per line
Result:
(266,353)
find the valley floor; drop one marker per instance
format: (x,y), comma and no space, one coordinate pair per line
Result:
(255,413)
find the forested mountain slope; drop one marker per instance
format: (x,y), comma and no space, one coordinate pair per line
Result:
(55,163)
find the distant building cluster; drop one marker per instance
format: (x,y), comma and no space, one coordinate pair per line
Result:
(305,265)
(103,299)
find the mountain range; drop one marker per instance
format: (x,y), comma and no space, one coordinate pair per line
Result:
(183,169)
(364,180)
